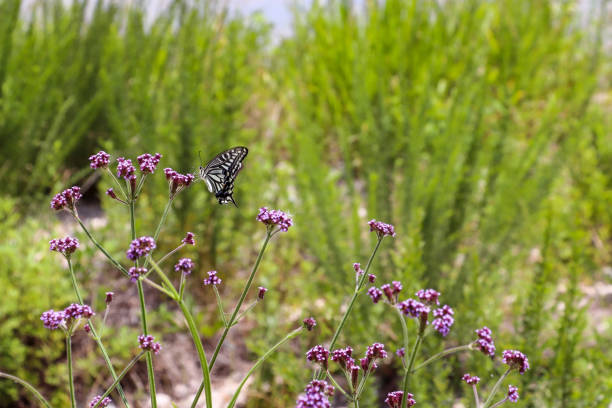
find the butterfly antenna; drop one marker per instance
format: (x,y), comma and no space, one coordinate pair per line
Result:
(233,202)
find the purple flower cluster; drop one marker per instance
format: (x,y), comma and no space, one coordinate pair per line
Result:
(318,354)
(381,228)
(53,319)
(485,342)
(394,399)
(373,352)
(513,394)
(413,308)
(343,357)
(443,319)
(65,246)
(177,180)
(67,199)
(316,395)
(148,343)
(309,323)
(401,352)
(375,294)
(516,359)
(111,193)
(76,311)
(104,403)
(140,247)
(212,279)
(184,265)
(357,268)
(275,217)
(471,380)
(99,160)
(109,297)
(136,273)
(125,169)
(392,290)
(261,292)
(188,240)
(428,296)
(148,163)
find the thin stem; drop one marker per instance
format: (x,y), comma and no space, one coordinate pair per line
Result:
(244,312)
(220,305)
(495,387)
(159,227)
(476,399)
(182,286)
(498,403)
(150,372)
(156,286)
(163,258)
(260,361)
(100,247)
(442,354)
(28,386)
(338,387)
(119,378)
(132,220)
(415,349)
(118,183)
(356,402)
(404,331)
(70,375)
(173,293)
(361,386)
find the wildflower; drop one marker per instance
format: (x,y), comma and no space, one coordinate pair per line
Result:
(66,246)
(371,277)
(316,395)
(99,160)
(148,163)
(87,328)
(177,180)
(376,350)
(412,308)
(428,296)
(513,394)
(484,343)
(275,217)
(67,199)
(148,343)
(261,293)
(516,359)
(135,273)
(401,352)
(343,357)
(111,193)
(354,369)
(394,399)
(375,294)
(76,311)
(443,319)
(140,247)
(109,297)
(381,228)
(104,403)
(318,354)
(212,279)
(184,265)
(125,169)
(391,291)
(471,380)
(309,323)
(357,268)
(52,319)
(188,240)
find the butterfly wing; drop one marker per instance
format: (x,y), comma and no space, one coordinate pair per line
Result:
(221,172)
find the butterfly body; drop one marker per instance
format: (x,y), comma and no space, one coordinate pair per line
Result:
(221,172)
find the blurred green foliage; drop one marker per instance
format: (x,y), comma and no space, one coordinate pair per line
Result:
(470,126)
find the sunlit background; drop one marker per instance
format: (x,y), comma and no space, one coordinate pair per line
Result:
(481,129)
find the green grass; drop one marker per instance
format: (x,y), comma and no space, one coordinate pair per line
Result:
(471,127)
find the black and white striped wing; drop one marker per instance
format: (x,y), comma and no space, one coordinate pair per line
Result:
(220,173)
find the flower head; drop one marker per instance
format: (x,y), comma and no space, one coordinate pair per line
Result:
(357,268)
(212,279)
(401,352)
(184,265)
(52,319)
(485,342)
(343,357)
(188,240)
(140,247)
(148,163)
(76,311)
(125,169)
(394,399)
(99,160)
(428,296)
(136,273)
(354,371)
(318,354)
(104,403)
(177,180)
(443,319)
(148,343)
(67,199)
(375,294)
(513,394)
(516,359)
(371,277)
(381,228)
(111,193)
(391,290)
(412,308)
(309,323)
(109,297)
(471,380)
(275,217)
(261,292)
(65,246)
(373,352)
(316,395)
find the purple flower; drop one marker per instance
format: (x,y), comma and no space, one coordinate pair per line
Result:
(443,319)
(428,296)
(148,163)
(318,354)
(401,352)
(66,246)
(261,293)
(148,343)
(316,395)
(87,328)
(354,369)
(391,291)
(76,311)
(109,297)
(471,380)
(371,277)
(357,268)
(309,323)
(52,319)
(184,265)
(412,308)
(513,394)
(99,160)
(111,193)
(105,402)
(376,350)
(516,359)
(343,357)
(375,294)
(485,342)
(381,228)
(275,217)
(177,180)
(212,279)
(394,399)
(364,363)
(67,199)
(136,273)
(140,247)
(188,240)
(125,169)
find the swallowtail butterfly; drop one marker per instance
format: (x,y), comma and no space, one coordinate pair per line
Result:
(220,173)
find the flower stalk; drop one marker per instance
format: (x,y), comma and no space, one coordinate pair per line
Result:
(28,386)
(70,375)
(495,388)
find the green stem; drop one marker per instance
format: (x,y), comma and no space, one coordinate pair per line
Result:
(150,372)
(120,377)
(260,361)
(70,375)
(182,286)
(404,331)
(476,398)
(415,349)
(244,312)
(156,286)
(118,183)
(499,403)
(163,258)
(159,227)
(495,387)
(97,338)
(442,354)
(220,305)
(338,387)
(173,293)
(28,386)
(100,247)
